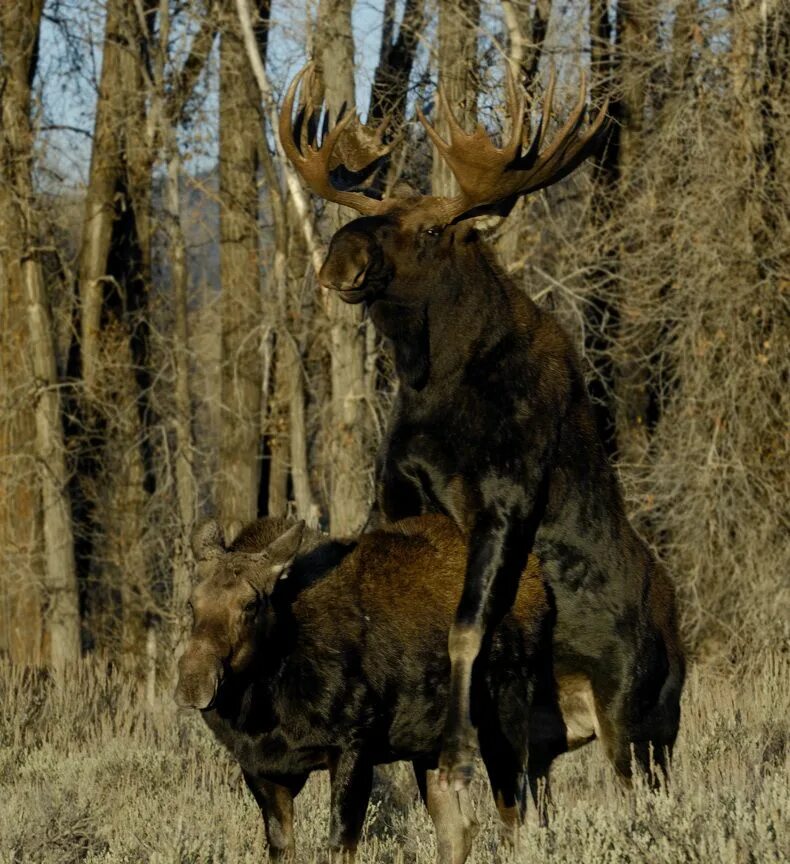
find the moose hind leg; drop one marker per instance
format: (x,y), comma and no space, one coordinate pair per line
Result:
(508,785)
(453,818)
(633,734)
(538,778)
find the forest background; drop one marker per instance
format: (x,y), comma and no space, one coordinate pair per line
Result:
(165,351)
(166,354)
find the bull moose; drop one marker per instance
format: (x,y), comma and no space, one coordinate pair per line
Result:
(308,653)
(492,423)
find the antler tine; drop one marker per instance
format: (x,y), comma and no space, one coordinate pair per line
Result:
(369,142)
(441,145)
(317,133)
(285,126)
(515,102)
(492,178)
(568,149)
(312,154)
(532,151)
(327,143)
(548,101)
(570,126)
(312,114)
(457,132)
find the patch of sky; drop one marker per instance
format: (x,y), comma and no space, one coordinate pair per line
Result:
(71,56)
(65,88)
(69,70)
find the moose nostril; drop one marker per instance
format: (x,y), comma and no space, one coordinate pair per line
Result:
(342,282)
(199,677)
(345,266)
(360,277)
(197,691)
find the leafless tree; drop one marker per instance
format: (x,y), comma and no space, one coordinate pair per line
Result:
(166,353)
(38,507)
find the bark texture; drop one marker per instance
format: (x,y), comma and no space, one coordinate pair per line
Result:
(114,278)
(240,434)
(39,507)
(348,457)
(459,21)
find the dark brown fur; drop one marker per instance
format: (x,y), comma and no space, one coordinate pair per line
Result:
(492,426)
(342,664)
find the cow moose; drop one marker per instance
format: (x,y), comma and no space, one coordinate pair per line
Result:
(492,423)
(308,653)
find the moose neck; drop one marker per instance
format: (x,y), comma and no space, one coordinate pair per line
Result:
(469,312)
(247,699)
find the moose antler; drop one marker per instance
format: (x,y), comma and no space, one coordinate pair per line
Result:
(337,161)
(492,178)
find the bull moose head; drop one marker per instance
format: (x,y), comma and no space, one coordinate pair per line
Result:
(231,593)
(400,246)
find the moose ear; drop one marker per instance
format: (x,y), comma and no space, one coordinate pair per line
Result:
(207,541)
(283,550)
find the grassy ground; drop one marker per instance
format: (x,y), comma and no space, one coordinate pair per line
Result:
(89,773)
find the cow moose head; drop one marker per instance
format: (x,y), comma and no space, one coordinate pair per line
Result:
(231,593)
(400,246)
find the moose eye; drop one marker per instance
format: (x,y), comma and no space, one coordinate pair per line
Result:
(434,231)
(252,607)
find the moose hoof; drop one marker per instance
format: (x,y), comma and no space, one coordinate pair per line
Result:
(456,764)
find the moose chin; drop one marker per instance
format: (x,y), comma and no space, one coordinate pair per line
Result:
(492,424)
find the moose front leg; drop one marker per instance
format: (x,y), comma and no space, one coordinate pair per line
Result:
(497,553)
(351,779)
(276,803)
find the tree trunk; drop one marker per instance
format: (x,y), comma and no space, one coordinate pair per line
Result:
(168,99)
(459,22)
(47,490)
(526,26)
(637,27)
(278,423)
(113,281)
(20,504)
(186,492)
(526,34)
(349,459)
(242,380)
(297,315)
(774,107)
(396,59)
(293,227)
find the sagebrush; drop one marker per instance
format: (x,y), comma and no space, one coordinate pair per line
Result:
(89,772)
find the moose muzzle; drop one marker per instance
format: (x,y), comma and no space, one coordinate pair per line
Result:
(346,266)
(199,676)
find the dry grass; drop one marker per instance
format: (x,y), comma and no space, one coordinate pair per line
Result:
(88,773)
